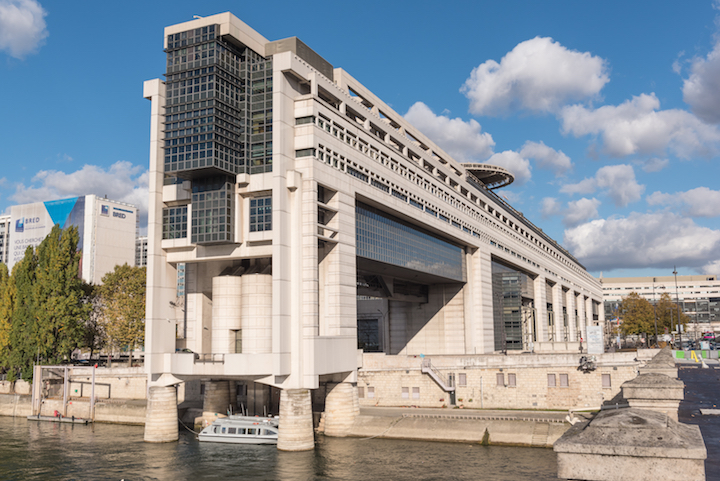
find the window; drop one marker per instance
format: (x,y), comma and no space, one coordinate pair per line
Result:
(551,380)
(416,393)
(371,392)
(511,380)
(361,392)
(405,393)
(500,377)
(260,214)
(606,381)
(462,379)
(231,430)
(564,380)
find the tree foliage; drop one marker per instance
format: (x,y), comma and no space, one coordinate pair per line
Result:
(41,305)
(123,306)
(667,311)
(636,314)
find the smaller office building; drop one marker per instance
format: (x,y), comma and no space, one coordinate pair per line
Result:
(107,231)
(698,296)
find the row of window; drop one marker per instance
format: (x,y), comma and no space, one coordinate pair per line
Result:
(553,380)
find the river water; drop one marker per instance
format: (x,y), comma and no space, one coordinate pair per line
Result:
(31,450)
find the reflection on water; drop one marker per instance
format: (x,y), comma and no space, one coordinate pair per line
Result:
(48,451)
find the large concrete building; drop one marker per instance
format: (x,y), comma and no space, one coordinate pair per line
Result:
(107,230)
(698,296)
(314,223)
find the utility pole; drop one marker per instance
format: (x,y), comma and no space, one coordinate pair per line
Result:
(677,301)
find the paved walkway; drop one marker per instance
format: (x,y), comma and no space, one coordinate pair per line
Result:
(509,415)
(702,391)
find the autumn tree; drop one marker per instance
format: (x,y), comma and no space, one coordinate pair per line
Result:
(636,314)
(667,311)
(123,306)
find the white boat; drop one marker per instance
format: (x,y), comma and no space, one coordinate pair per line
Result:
(241,430)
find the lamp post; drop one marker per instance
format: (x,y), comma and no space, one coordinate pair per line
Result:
(655,311)
(677,301)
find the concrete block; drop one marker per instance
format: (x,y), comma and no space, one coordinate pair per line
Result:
(631,444)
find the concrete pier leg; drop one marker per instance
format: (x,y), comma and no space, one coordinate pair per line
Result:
(296,423)
(341,406)
(217,397)
(161,419)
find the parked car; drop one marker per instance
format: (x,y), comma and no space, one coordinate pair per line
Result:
(186,350)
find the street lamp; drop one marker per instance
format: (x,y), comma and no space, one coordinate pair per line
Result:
(677,301)
(655,310)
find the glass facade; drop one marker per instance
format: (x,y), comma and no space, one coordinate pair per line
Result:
(212,208)
(384,238)
(174,222)
(513,313)
(260,214)
(218,105)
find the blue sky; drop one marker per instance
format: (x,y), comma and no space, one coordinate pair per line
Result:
(607,113)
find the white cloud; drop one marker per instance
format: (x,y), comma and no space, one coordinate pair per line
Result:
(577,212)
(643,240)
(655,164)
(538,75)
(464,141)
(637,127)
(550,206)
(22,27)
(701,91)
(547,157)
(514,162)
(698,202)
(580,211)
(617,181)
(712,267)
(123,182)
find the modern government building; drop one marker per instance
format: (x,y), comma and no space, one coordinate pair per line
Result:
(318,230)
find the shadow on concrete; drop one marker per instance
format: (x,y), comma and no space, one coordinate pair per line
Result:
(702,391)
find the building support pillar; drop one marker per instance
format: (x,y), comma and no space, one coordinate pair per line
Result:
(341,409)
(217,397)
(161,418)
(296,423)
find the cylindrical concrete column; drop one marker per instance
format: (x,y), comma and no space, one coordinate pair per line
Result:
(161,418)
(296,424)
(256,313)
(217,397)
(340,409)
(225,313)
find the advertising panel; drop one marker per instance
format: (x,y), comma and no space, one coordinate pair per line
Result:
(31,223)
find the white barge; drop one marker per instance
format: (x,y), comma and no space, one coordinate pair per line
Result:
(241,430)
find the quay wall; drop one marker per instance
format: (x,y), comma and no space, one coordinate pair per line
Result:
(513,381)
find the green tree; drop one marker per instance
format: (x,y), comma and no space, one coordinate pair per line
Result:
(5,312)
(123,306)
(46,303)
(94,338)
(21,350)
(58,294)
(636,314)
(667,310)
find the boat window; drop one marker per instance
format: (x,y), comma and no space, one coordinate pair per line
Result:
(231,430)
(252,431)
(215,429)
(241,430)
(223,430)
(267,432)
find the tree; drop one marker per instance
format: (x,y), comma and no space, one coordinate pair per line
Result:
(5,311)
(667,311)
(94,338)
(123,306)
(43,303)
(636,314)
(58,295)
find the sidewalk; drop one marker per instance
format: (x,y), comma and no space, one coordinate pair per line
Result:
(702,391)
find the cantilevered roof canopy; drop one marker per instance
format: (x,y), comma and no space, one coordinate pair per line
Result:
(491,176)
